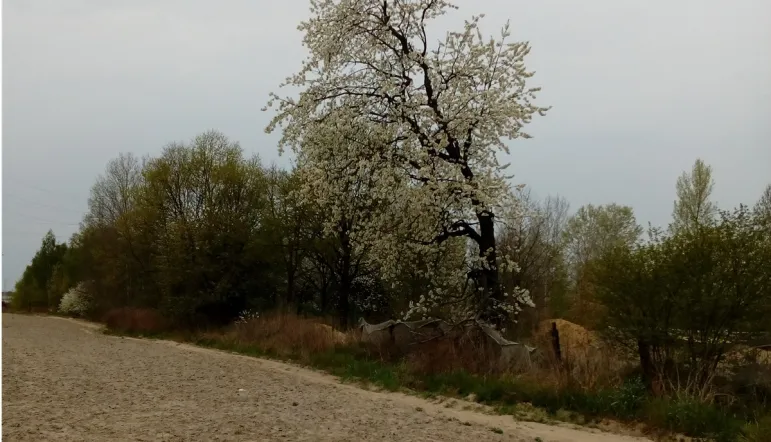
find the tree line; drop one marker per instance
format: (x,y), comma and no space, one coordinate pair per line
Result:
(206,235)
(203,233)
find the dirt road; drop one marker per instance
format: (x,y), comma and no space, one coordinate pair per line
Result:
(64,380)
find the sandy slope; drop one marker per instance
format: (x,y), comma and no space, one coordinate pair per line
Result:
(63,380)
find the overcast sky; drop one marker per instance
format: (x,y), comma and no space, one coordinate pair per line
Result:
(639,90)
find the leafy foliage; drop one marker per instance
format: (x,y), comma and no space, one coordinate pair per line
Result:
(43,278)
(590,233)
(682,300)
(693,207)
(763,206)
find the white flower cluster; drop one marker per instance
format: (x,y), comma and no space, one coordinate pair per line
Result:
(246,316)
(76,301)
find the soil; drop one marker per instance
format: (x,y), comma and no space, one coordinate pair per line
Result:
(63,380)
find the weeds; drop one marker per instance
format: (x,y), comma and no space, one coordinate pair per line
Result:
(758,431)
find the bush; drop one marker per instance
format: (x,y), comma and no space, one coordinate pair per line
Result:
(76,302)
(135,320)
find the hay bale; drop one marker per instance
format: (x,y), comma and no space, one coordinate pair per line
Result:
(572,336)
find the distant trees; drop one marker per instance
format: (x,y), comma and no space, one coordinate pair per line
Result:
(534,240)
(204,203)
(590,233)
(693,207)
(593,230)
(763,206)
(202,233)
(42,279)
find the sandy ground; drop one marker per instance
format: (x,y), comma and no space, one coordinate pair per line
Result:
(64,380)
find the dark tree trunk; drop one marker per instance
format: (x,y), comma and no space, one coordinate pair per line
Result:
(324,296)
(489,276)
(290,298)
(646,365)
(299,300)
(344,302)
(555,342)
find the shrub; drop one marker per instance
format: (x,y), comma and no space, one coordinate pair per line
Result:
(76,302)
(135,320)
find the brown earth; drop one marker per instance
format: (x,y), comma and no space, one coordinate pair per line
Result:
(65,381)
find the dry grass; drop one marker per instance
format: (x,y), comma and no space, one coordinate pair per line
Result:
(470,352)
(287,334)
(136,320)
(587,363)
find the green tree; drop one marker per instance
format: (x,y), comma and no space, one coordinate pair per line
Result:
(593,230)
(288,225)
(118,237)
(763,206)
(39,278)
(693,207)
(682,300)
(590,233)
(207,202)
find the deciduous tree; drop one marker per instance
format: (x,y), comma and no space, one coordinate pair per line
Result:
(763,206)
(590,233)
(441,114)
(693,207)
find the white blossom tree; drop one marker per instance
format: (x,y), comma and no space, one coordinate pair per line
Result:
(440,116)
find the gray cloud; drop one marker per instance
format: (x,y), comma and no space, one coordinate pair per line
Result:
(639,89)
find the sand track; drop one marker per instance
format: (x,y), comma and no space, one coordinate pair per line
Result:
(63,380)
